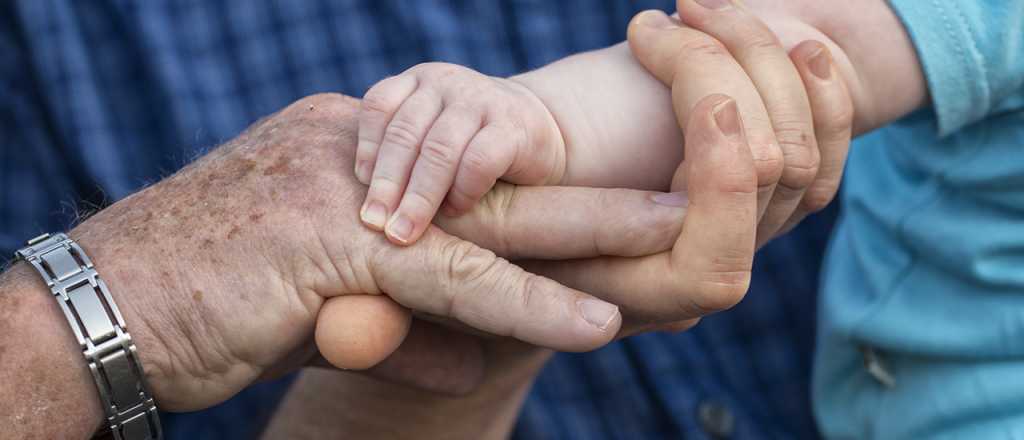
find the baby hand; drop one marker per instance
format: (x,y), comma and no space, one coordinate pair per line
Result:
(440,129)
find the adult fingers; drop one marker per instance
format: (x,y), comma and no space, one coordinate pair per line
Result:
(756,48)
(709,267)
(696,65)
(449,277)
(832,107)
(553,223)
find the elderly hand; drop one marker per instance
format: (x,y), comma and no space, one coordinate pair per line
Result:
(222,269)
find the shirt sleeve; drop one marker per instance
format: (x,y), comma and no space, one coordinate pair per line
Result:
(972,53)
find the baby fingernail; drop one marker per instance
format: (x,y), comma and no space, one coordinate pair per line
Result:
(674,199)
(727,118)
(656,19)
(821,64)
(598,313)
(400,228)
(363,171)
(374,214)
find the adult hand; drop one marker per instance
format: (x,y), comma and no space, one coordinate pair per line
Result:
(797,110)
(221,269)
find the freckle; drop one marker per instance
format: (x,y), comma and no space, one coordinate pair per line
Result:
(310,108)
(166,276)
(197,295)
(248,164)
(255,217)
(176,211)
(803,137)
(207,243)
(233,232)
(148,216)
(278,167)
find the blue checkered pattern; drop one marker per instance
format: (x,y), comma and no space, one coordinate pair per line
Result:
(98,98)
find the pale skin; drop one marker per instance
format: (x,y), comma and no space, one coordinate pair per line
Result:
(440,134)
(870,51)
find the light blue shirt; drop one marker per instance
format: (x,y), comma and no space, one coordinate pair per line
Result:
(927,264)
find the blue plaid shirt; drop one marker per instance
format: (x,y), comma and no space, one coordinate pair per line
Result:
(98,98)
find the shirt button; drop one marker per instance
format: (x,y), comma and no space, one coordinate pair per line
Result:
(716,419)
(874,366)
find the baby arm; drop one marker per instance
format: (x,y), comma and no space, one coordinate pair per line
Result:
(443,134)
(440,133)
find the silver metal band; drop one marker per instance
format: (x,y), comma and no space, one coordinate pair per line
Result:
(101,333)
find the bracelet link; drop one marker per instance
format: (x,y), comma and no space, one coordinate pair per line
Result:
(101,333)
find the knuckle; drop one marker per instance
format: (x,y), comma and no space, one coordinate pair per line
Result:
(530,288)
(441,75)
(439,153)
(840,119)
(376,103)
(418,203)
(494,207)
(721,290)
(477,163)
(802,159)
(759,40)
(818,196)
(402,133)
(768,164)
(703,44)
(467,262)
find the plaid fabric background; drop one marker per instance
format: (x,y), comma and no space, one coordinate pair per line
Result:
(98,98)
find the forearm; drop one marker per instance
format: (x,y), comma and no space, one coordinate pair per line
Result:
(47,389)
(325,403)
(615,117)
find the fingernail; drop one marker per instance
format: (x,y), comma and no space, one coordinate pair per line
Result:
(400,228)
(598,313)
(675,199)
(727,118)
(363,171)
(656,19)
(374,214)
(717,5)
(821,64)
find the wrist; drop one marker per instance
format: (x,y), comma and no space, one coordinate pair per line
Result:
(48,390)
(549,131)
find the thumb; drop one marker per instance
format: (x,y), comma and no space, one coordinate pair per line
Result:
(453,278)
(657,41)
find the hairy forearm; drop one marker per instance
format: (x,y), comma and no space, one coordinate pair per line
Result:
(47,390)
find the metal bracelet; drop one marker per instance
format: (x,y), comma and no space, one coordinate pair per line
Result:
(101,334)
